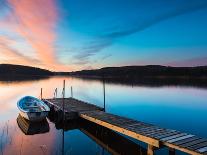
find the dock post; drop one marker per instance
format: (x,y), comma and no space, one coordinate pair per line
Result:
(104,91)
(150,150)
(71,91)
(55,92)
(41,94)
(171,151)
(63,97)
(63,138)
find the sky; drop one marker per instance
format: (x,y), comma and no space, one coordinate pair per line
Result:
(70,35)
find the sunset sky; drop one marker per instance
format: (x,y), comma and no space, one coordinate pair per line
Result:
(66,35)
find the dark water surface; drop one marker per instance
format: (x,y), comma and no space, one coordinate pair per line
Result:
(175,107)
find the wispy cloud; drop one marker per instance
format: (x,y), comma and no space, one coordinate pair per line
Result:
(106,57)
(83,57)
(11,53)
(154,19)
(108,37)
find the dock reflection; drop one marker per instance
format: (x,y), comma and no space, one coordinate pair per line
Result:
(32,128)
(109,140)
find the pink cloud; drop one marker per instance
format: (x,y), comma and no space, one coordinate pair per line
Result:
(11,54)
(36,20)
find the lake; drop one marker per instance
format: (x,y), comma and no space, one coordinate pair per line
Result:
(182,108)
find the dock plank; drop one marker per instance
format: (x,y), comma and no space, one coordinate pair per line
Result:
(203,149)
(198,146)
(174,136)
(193,143)
(188,140)
(179,138)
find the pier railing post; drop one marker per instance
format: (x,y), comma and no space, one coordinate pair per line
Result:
(150,150)
(171,151)
(71,90)
(63,143)
(63,98)
(104,94)
(41,94)
(55,93)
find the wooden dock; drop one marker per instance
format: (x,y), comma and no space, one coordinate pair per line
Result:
(156,137)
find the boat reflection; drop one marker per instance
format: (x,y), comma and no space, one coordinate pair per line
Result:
(32,128)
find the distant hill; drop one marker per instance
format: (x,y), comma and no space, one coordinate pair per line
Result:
(110,72)
(145,71)
(151,75)
(18,72)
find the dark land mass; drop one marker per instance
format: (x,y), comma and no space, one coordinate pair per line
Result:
(145,71)
(152,75)
(20,73)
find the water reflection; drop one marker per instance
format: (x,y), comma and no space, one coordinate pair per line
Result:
(154,81)
(32,128)
(176,107)
(22,78)
(15,141)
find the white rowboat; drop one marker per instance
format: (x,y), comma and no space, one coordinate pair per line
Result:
(32,108)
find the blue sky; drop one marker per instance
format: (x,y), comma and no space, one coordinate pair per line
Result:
(86,34)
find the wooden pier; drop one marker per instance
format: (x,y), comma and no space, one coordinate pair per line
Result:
(156,137)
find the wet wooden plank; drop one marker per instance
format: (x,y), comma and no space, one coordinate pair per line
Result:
(137,123)
(193,143)
(188,140)
(144,128)
(116,122)
(198,146)
(165,134)
(152,131)
(134,129)
(180,148)
(202,150)
(174,136)
(73,105)
(179,138)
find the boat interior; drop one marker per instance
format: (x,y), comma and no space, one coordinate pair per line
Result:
(32,105)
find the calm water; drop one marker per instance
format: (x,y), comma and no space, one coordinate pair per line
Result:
(180,108)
